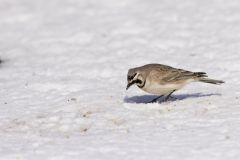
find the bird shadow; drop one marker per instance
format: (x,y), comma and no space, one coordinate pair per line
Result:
(148,98)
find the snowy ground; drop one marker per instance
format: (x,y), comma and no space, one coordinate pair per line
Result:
(64,76)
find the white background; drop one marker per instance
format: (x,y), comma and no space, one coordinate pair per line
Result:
(63,79)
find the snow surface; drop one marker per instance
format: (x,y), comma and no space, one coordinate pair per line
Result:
(63,79)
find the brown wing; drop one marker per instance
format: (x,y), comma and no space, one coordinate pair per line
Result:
(178,74)
(166,74)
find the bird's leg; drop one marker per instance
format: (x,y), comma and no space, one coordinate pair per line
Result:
(169,95)
(155,99)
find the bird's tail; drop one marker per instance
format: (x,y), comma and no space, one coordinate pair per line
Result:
(212,81)
(202,77)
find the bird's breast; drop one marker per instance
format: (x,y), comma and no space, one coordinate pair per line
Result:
(160,89)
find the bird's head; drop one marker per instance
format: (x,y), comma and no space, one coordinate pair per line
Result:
(135,76)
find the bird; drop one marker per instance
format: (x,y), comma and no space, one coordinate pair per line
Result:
(164,80)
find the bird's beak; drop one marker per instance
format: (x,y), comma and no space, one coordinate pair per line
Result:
(129,84)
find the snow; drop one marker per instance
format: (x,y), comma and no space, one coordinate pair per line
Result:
(63,79)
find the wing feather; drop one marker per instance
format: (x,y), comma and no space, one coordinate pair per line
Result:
(165,74)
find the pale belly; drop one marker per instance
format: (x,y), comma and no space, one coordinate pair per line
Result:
(158,89)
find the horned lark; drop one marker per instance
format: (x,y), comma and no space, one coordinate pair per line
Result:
(163,80)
